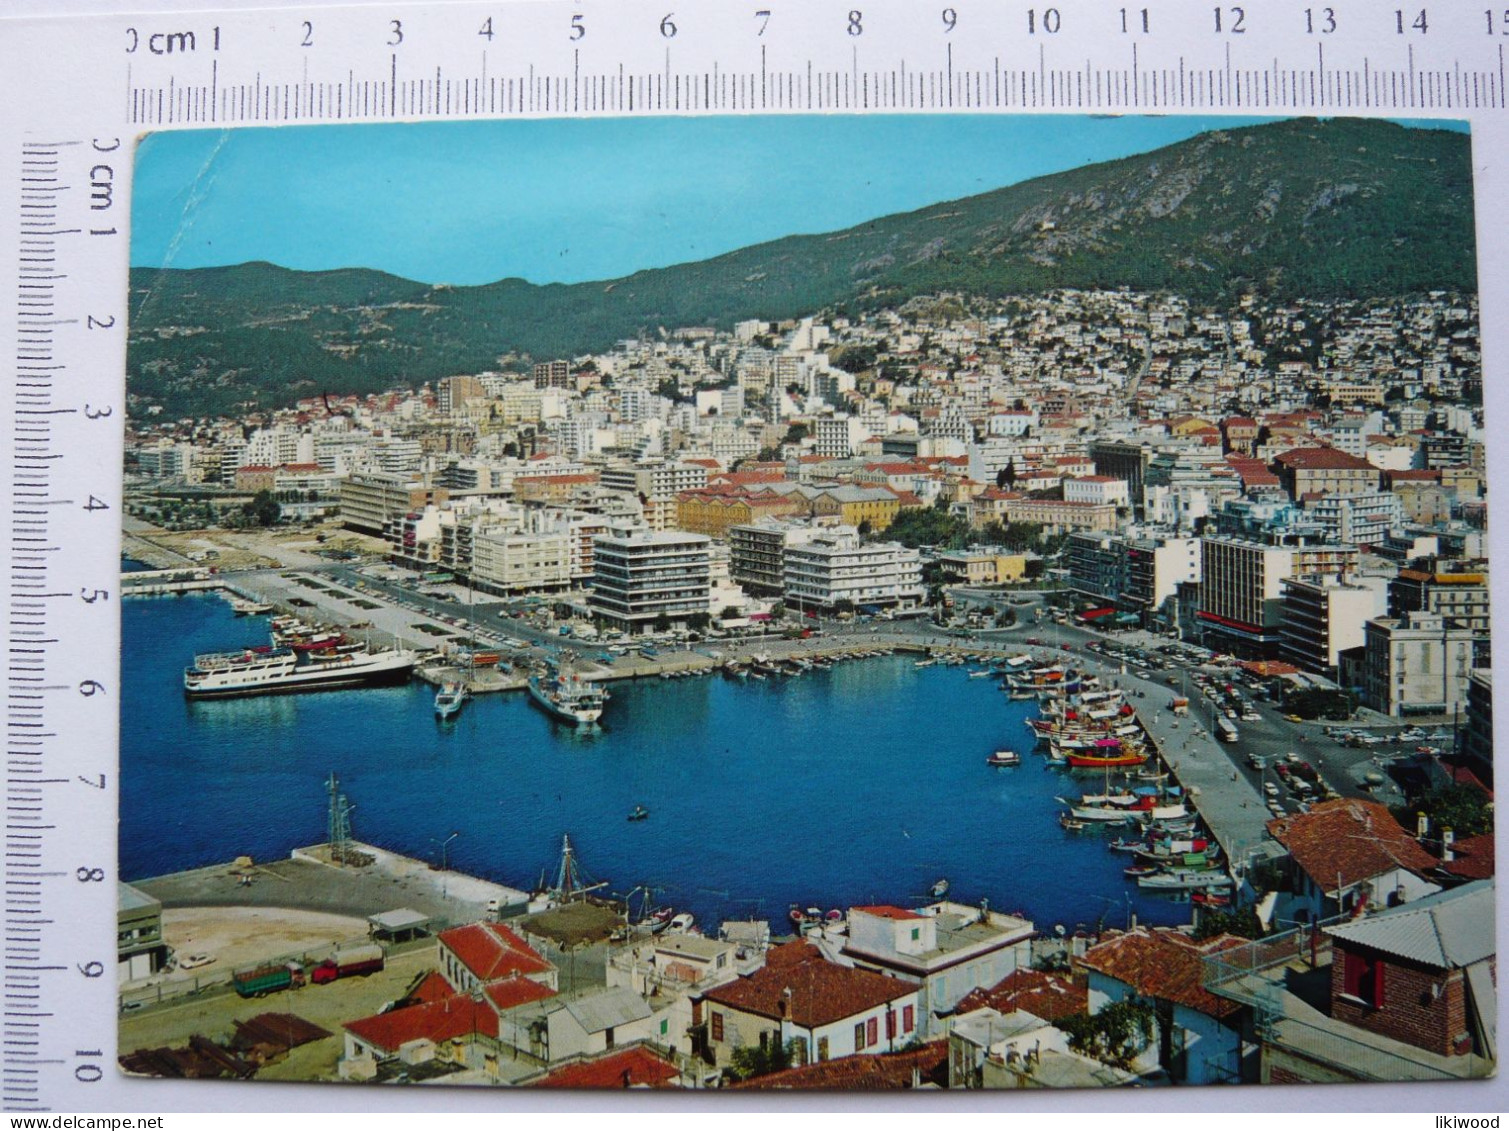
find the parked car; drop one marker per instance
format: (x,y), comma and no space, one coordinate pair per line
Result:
(194,961)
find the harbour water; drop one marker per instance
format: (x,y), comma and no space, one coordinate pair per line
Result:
(863,783)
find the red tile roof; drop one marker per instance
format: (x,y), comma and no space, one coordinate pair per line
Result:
(1049,996)
(1327,459)
(456,1016)
(867,1072)
(886,911)
(515,991)
(820,992)
(433,988)
(1472,857)
(1165,964)
(631,1068)
(1348,841)
(491,951)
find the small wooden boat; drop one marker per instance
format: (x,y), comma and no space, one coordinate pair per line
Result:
(939,889)
(638,813)
(1004,758)
(1071,823)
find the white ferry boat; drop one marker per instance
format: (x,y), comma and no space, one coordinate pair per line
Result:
(279,671)
(568,697)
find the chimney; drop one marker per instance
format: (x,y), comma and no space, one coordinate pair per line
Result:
(785,1004)
(1448,838)
(1422,826)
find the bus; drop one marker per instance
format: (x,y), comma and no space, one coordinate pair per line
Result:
(1226,731)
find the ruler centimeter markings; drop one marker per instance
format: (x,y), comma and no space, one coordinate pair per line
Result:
(67,162)
(540,59)
(60,757)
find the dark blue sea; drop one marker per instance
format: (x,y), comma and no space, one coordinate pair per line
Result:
(863,783)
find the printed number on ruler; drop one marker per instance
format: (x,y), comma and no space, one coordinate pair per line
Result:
(560,58)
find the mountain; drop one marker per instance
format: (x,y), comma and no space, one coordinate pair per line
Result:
(1319,209)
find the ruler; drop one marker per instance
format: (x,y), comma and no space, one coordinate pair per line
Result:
(80,89)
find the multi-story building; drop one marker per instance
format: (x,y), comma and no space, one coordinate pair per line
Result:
(1099,489)
(656,484)
(507,560)
(836,567)
(1322,618)
(1242,587)
(1057,516)
(552,375)
(757,552)
(1097,565)
(1124,459)
(1456,590)
(452,393)
(1416,664)
(369,502)
(1155,568)
(715,512)
(1363,518)
(644,578)
(1324,471)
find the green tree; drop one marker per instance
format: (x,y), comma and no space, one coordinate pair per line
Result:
(1463,809)
(1242,921)
(749,1061)
(263,509)
(1117,1034)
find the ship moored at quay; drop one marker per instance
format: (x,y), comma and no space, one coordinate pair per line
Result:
(282,670)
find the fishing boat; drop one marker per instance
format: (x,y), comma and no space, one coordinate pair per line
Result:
(1137,871)
(568,697)
(638,813)
(658,920)
(1183,879)
(683,922)
(449,699)
(1100,815)
(1122,757)
(1210,899)
(1004,758)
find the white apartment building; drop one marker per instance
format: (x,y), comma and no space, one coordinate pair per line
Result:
(1097,489)
(508,560)
(1419,663)
(644,575)
(836,566)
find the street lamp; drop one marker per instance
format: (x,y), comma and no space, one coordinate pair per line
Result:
(444,845)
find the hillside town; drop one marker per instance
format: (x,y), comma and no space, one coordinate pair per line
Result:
(1284,502)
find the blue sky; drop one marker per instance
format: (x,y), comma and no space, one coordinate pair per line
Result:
(567,201)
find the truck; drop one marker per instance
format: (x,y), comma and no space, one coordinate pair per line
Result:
(263,980)
(1179,705)
(350,962)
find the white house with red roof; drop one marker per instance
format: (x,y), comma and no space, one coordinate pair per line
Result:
(949,948)
(1195,1035)
(828,1010)
(472,956)
(439,1031)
